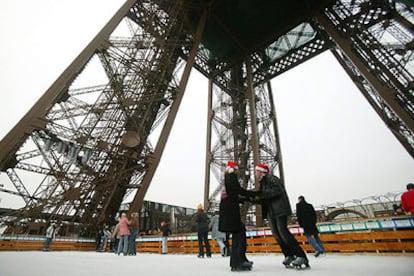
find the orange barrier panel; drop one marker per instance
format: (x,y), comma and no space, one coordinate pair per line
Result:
(401,241)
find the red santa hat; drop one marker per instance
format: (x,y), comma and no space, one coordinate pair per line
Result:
(262,168)
(231,166)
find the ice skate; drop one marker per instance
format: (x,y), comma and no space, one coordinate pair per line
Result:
(300,263)
(245,266)
(288,260)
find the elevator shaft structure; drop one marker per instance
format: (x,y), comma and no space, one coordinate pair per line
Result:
(94,140)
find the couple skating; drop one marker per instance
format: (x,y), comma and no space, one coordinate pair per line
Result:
(276,208)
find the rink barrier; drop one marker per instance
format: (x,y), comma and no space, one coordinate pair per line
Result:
(394,235)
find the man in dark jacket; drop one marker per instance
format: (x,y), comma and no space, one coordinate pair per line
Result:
(202,222)
(166,231)
(307,220)
(276,208)
(230,218)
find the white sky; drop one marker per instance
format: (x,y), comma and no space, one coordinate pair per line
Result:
(335,148)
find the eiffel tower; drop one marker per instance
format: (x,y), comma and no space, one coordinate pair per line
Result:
(93,141)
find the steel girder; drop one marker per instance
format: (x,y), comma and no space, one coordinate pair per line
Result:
(243,128)
(374,44)
(87,145)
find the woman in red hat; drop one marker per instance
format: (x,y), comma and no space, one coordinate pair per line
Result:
(230,218)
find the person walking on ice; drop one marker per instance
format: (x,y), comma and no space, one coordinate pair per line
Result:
(307,220)
(219,236)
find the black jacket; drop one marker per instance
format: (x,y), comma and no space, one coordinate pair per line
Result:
(230,219)
(274,199)
(166,231)
(202,221)
(306,217)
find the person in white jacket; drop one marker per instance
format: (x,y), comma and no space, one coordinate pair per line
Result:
(50,235)
(217,235)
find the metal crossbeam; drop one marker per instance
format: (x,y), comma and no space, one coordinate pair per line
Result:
(91,144)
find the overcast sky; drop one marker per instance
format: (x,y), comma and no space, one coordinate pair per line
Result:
(334,146)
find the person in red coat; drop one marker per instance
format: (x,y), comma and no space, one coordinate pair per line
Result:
(407,199)
(124,223)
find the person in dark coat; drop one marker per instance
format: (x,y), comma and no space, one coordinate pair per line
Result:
(307,220)
(230,218)
(202,222)
(276,208)
(165,231)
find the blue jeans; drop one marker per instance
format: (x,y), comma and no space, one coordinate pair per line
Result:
(164,242)
(47,243)
(132,242)
(315,242)
(221,244)
(123,245)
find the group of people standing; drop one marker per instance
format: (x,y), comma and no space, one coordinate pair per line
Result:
(127,229)
(122,236)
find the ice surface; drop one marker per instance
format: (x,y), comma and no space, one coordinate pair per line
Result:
(33,263)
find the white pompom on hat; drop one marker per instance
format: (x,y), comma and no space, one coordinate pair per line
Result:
(231,166)
(262,168)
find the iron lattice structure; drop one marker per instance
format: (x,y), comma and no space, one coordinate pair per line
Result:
(94,140)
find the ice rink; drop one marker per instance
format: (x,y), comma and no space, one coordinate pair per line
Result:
(32,263)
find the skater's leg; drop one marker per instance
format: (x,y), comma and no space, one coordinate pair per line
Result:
(237,261)
(319,242)
(279,238)
(227,243)
(222,246)
(207,244)
(200,245)
(288,239)
(125,244)
(120,244)
(313,243)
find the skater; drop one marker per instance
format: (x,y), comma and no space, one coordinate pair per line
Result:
(165,231)
(276,208)
(202,221)
(218,235)
(407,199)
(124,233)
(133,235)
(115,237)
(105,237)
(230,218)
(50,235)
(98,240)
(227,244)
(307,220)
